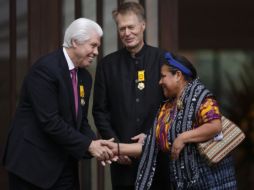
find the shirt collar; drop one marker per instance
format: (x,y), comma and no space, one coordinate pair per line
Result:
(68,59)
(141,51)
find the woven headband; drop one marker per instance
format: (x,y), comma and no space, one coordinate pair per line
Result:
(173,62)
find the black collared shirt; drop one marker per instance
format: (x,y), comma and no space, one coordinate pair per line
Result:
(120,109)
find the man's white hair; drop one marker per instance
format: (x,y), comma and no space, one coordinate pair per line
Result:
(80,30)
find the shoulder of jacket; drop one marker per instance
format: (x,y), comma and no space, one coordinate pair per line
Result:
(86,74)
(112,57)
(155,49)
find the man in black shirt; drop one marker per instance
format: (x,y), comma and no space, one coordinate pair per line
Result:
(127,94)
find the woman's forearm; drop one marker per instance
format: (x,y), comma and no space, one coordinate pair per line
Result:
(133,149)
(202,133)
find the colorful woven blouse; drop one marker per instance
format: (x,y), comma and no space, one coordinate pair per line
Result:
(208,111)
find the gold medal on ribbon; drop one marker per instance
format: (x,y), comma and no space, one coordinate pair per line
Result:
(141,76)
(82,101)
(141,79)
(141,85)
(82,95)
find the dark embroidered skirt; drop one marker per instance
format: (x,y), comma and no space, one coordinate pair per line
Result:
(217,177)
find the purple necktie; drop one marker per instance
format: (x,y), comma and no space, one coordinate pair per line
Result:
(75,89)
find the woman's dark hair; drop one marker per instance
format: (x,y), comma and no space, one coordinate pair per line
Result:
(179,59)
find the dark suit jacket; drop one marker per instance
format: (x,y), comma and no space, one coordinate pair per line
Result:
(45,131)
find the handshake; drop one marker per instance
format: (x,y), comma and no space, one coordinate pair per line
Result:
(108,151)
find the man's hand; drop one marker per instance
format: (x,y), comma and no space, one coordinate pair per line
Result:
(139,138)
(111,145)
(114,148)
(100,152)
(125,160)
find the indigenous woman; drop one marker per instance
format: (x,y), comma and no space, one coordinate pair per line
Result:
(188,116)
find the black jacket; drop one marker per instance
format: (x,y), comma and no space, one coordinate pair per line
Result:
(120,109)
(45,131)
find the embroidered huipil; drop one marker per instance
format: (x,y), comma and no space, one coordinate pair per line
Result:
(208,111)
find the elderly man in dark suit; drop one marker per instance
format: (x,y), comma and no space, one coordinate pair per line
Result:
(50,130)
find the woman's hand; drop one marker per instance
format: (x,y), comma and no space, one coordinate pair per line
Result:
(121,159)
(111,146)
(177,147)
